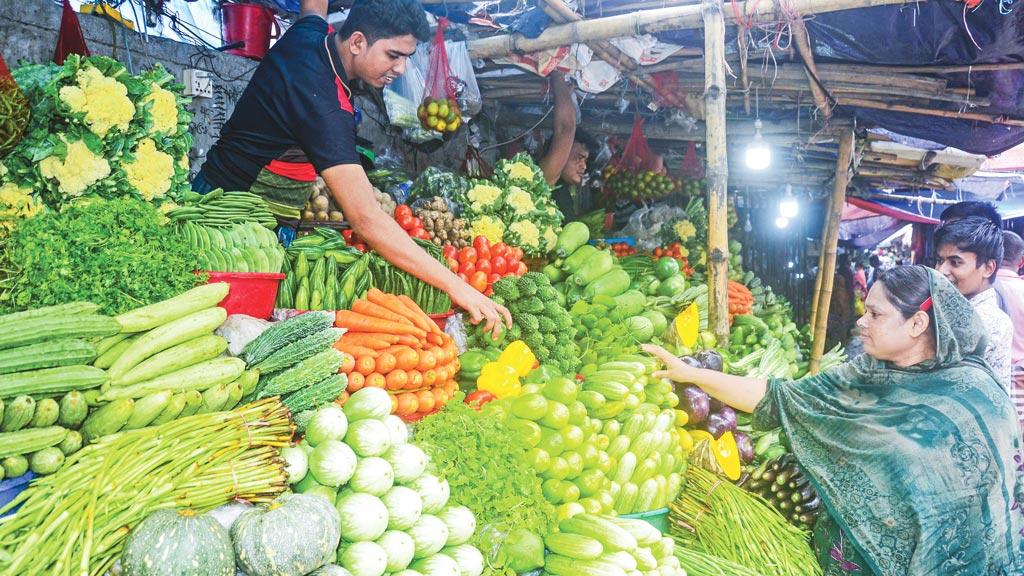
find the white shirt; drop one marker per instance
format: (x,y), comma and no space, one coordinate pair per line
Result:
(1000,334)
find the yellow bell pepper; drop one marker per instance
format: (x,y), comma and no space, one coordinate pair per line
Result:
(519,356)
(687,326)
(499,379)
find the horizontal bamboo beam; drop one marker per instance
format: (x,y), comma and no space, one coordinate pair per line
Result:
(651,21)
(990,118)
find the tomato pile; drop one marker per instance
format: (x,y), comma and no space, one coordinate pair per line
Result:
(412,225)
(621,249)
(482,264)
(674,250)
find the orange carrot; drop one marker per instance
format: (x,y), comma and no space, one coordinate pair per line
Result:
(392,303)
(408,340)
(364,323)
(355,351)
(424,321)
(358,339)
(370,309)
(387,337)
(435,339)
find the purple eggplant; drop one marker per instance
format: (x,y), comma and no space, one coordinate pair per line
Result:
(696,403)
(721,422)
(692,361)
(710,360)
(745,446)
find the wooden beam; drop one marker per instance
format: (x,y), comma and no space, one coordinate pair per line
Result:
(651,21)
(829,242)
(990,118)
(717,175)
(803,47)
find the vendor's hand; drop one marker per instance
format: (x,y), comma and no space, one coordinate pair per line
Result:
(481,308)
(675,369)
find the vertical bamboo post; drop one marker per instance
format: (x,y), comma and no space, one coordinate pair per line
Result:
(718,168)
(821,264)
(829,241)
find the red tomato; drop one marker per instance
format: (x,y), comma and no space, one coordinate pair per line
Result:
(498,264)
(489,292)
(360,246)
(658,252)
(478,398)
(416,222)
(483,255)
(453,264)
(483,265)
(421,234)
(467,268)
(449,251)
(347,234)
(499,249)
(478,281)
(481,243)
(493,278)
(405,221)
(402,210)
(467,254)
(517,252)
(522,269)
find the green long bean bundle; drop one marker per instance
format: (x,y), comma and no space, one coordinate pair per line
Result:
(716,517)
(697,563)
(76,521)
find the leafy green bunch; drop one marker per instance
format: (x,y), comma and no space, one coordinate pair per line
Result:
(98,130)
(115,253)
(517,205)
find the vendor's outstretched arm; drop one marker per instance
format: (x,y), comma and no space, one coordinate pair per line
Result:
(354,194)
(564,131)
(736,391)
(308,7)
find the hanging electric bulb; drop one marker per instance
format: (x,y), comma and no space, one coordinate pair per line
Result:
(782,222)
(759,154)
(789,207)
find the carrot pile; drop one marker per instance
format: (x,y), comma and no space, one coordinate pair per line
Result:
(741,301)
(392,344)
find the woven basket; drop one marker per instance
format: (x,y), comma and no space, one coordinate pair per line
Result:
(535,264)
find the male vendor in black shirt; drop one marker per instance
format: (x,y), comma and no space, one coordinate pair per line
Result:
(299,98)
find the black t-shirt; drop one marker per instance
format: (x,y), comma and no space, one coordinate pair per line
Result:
(295,99)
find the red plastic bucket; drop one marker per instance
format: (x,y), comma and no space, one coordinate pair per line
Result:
(252,24)
(251,293)
(442,319)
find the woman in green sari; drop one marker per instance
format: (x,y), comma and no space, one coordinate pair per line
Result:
(912,447)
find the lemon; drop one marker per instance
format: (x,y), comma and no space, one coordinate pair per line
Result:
(443,109)
(433,109)
(440,126)
(453,125)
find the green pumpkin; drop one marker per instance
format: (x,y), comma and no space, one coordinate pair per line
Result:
(294,535)
(178,543)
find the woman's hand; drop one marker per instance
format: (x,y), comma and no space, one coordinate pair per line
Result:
(675,369)
(481,308)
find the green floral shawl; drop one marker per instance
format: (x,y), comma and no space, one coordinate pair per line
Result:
(916,465)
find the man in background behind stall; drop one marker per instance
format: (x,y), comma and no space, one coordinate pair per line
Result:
(299,98)
(564,161)
(1010,288)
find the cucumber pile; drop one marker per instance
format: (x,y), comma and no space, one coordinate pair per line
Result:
(44,357)
(596,545)
(783,484)
(246,247)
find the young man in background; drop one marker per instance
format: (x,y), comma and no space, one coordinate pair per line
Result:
(1010,288)
(564,160)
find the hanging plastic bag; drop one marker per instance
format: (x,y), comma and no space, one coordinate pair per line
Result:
(70,39)
(691,168)
(638,173)
(474,165)
(14,110)
(404,94)
(439,110)
(467,92)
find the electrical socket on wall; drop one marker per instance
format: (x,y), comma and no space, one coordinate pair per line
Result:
(198,83)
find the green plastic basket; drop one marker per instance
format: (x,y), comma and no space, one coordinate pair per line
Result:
(657,518)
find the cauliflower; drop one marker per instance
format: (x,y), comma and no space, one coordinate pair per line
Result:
(103,99)
(151,171)
(684,229)
(518,171)
(79,169)
(164,109)
(520,201)
(489,227)
(550,238)
(527,232)
(483,195)
(16,203)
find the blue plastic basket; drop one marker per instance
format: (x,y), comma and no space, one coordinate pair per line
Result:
(10,488)
(657,518)
(627,240)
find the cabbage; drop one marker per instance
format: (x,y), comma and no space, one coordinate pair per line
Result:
(460,522)
(329,423)
(469,559)
(400,549)
(368,403)
(363,517)
(295,463)
(373,476)
(364,559)
(433,491)
(404,507)
(398,429)
(368,437)
(429,533)
(325,492)
(408,461)
(437,565)
(332,463)
(407,573)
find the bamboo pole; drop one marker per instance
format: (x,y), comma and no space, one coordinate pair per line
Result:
(990,118)
(718,168)
(803,47)
(650,21)
(741,39)
(829,242)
